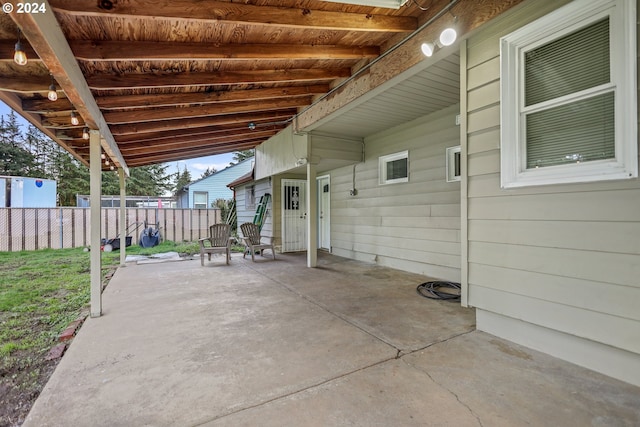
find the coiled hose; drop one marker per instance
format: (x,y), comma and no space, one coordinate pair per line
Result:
(433,290)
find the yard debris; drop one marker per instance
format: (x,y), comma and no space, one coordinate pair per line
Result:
(56,352)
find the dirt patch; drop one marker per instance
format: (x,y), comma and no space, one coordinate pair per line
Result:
(20,385)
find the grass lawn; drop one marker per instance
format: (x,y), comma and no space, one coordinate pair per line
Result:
(41,292)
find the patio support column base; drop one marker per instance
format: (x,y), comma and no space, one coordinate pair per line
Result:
(95,185)
(312,216)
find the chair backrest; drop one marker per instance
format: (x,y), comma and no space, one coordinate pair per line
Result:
(251,232)
(219,234)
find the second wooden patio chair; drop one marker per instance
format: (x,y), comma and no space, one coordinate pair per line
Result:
(253,241)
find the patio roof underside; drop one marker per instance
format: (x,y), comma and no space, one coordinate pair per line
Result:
(183,79)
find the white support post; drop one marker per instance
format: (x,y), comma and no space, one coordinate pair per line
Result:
(312,216)
(123,217)
(95,169)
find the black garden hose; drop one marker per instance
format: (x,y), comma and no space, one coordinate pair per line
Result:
(432,290)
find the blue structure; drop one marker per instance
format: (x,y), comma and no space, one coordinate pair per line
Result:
(201,193)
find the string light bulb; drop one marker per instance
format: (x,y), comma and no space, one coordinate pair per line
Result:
(85,133)
(103,156)
(19,56)
(74,119)
(53,94)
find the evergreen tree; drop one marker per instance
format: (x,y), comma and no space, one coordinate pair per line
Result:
(182,180)
(208,172)
(239,156)
(15,159)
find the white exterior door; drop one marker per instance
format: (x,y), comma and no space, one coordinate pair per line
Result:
(294,215)
(324,198)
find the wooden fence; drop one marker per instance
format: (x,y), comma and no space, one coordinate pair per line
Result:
(40,228)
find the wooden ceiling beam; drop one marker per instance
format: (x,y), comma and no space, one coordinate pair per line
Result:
(144,159)
(28,84)
(240,13)
(178,133)
(243,131)
(44,106)
(166,113)
(169,146)
(44,34)
(173,99)
(148,81)
(95,51)
(238,119)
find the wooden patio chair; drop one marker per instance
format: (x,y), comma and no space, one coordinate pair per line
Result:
(253,241)
(219,242)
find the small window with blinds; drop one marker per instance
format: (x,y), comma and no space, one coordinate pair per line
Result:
(394,168)
(565,91)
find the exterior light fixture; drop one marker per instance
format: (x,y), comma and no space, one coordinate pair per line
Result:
(85,133)
(447,38)
(112,167)
(428,49)
(106,162)
(19,57)
(74,119)
(53,94)
(103,156)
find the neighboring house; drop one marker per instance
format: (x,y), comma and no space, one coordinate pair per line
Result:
(202,193)
(507,161)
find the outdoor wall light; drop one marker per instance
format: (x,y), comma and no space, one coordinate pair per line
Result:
(447,38)
(53,94)
(20,57)
(74,119)
(85,133)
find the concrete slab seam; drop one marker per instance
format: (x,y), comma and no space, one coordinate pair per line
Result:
(293,393)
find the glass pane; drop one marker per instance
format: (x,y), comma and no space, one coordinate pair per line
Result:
(397,169)
(567,65)
(200,198)
(578,132)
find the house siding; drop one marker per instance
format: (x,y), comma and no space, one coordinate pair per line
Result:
(262,187)
(216,185)
(413,226)
(553,267)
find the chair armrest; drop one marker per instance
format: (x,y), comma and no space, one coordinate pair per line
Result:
(201,241)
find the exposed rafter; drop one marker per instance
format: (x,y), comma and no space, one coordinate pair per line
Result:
(238,13)
(163,51)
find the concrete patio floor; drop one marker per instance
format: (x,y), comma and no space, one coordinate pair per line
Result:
(274,343)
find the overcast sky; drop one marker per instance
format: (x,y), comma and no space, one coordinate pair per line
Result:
(195,166)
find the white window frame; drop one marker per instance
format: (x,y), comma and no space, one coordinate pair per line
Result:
(382,167)
(206,197)
(574,16)
(451,164)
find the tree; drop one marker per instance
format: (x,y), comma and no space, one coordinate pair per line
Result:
(182,180)
(15,158)
(239,156)
(210,171)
